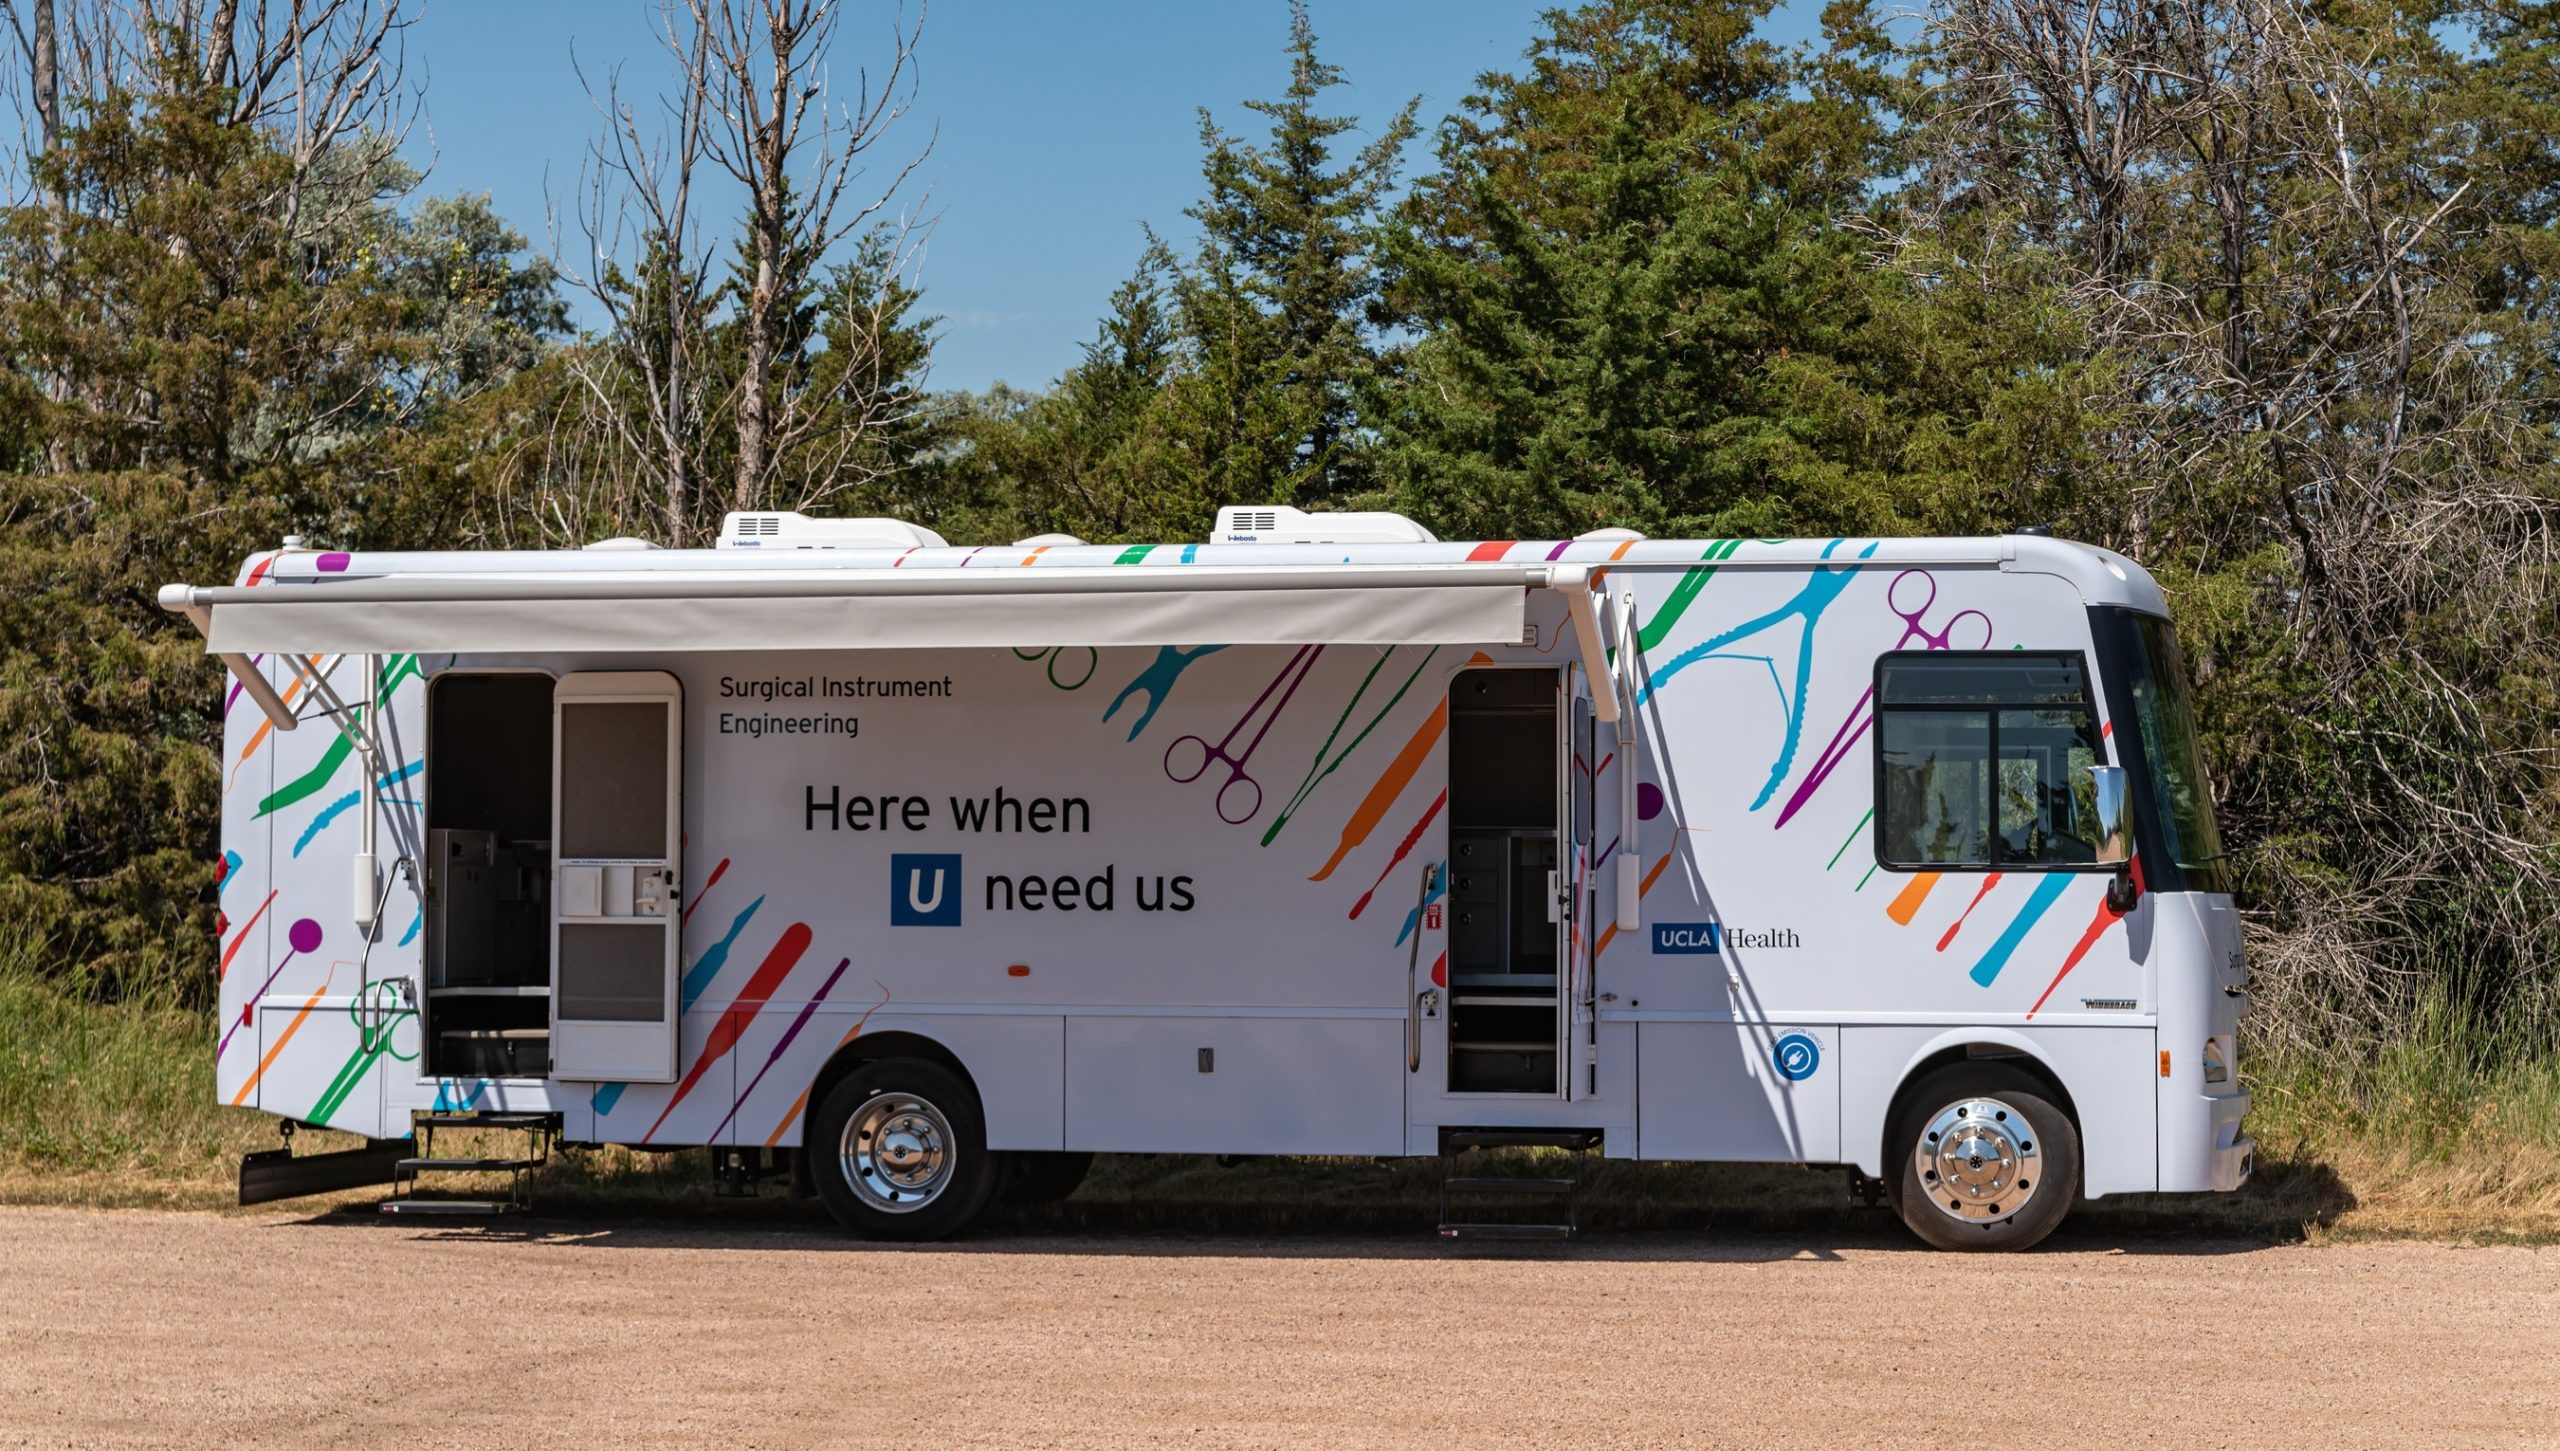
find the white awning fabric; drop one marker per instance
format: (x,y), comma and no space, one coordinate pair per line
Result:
(679,611)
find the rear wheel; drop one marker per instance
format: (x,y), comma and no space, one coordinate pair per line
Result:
(1981,1158)
(899,1151)
(1046,1178)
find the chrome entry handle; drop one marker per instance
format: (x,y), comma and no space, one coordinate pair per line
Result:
(1412,970)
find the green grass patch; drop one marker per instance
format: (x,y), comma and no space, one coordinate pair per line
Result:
(2447,1134)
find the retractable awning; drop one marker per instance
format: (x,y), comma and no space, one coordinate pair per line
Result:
(660,612)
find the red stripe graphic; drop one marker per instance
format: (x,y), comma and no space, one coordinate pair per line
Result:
(2107,917)
(769,974)
(716,873)
(233,950)
(1402,848)
(1983,891)
(1491,549)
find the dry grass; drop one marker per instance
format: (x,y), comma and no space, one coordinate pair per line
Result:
(112,1107)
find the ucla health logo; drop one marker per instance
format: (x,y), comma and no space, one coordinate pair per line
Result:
(1796,1056)
(924,889)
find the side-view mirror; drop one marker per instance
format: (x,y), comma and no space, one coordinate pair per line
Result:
(2112,830)
(2110,805)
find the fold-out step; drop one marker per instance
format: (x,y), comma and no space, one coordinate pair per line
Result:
(1519,1139)
(501,1166)
(1483,1185)
(540,1131)
(1506,1231)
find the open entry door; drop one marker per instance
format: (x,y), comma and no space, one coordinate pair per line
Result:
(617,816)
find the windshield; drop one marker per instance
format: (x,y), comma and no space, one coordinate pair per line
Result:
(2173,757)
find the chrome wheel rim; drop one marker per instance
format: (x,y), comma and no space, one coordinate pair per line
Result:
(896,1152)
(1979,1161)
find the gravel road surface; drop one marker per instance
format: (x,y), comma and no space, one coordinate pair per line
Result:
(153,1329)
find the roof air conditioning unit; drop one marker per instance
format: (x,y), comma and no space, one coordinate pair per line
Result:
(1046,541)
(1611,535)
(1277,524)
(799,531)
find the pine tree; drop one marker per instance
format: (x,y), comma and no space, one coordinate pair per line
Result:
(1632,299)
(1275,306)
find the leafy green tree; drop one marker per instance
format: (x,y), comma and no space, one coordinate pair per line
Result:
(196,350)
(1632,301)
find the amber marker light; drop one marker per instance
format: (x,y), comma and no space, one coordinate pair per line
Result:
(1023,969)
(2164,1058)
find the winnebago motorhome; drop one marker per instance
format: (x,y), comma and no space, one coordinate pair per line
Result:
(931,871)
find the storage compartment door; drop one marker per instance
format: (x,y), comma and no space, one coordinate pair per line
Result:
(617,818)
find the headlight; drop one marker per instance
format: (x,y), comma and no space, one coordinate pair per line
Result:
(2217,1067)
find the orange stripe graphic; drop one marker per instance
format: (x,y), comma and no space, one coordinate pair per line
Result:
(1641,888)
(1400,772)
(1907,905)
(282,1038)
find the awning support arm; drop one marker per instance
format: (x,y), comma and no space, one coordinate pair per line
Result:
(1614,705)
(179,599)
(1622,680)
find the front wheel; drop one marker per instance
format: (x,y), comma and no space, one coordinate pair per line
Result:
(1986,1161)
(899,1151)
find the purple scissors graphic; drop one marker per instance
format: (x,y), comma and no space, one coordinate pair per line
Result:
(1240,796)
(1912,601)
(1913,614)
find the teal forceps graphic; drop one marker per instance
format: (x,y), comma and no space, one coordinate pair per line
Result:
(1156,681)
(1820,589)
(1056,653)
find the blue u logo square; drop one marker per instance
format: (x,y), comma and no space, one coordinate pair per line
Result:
(924,889)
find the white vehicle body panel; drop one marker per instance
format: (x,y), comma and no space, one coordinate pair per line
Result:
(1192,976)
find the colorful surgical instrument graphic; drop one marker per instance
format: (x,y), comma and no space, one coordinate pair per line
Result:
(1964,630)
(1086,658)
(302,939)
(1822,586)
(1320,767)
(1240,795)
(1156,683)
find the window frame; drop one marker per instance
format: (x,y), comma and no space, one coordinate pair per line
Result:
(2096,704)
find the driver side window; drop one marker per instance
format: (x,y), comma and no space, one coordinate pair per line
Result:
(1982,761)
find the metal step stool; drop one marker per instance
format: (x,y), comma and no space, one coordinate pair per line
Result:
(541,1131)
(1564,1193)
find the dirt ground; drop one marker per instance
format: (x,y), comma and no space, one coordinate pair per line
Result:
(145,1328)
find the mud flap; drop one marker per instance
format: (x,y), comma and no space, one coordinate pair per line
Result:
(272,1174)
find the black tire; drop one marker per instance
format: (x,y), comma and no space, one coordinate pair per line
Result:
(935,1153)
(2033,1151)
(1045,1178)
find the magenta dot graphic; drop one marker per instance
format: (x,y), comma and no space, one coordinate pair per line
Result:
(304,937)
(1648,801)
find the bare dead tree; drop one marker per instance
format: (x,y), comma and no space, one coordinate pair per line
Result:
(322,76)
(797,154)
(750,95)
(637,201)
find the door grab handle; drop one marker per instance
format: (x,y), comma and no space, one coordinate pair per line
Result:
(1412,967)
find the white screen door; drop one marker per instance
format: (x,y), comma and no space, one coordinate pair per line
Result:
(617,813)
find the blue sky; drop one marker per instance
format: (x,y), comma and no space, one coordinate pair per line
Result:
(1057,128)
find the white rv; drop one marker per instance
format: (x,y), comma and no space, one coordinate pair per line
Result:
(948,867)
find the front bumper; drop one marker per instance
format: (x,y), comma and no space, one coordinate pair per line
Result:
(2235,1154)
